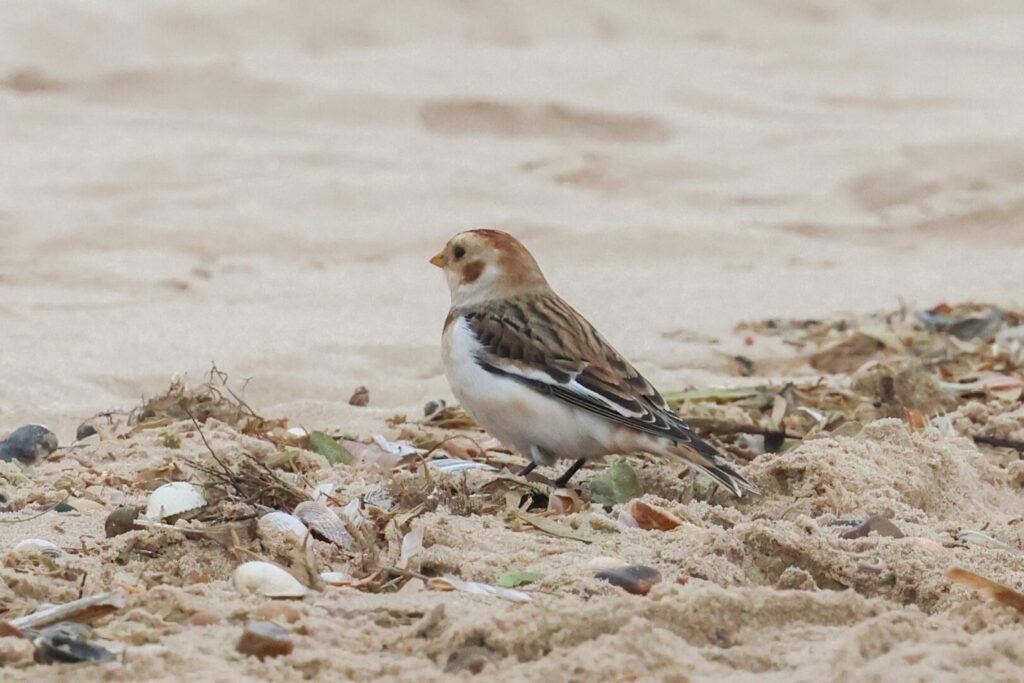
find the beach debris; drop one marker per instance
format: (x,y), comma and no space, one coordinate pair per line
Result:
(372,453)
(37,546)
(337,578)
(471,658)
(565,502)
(68,643)
(85,430)
(360,397)
(268,580)
(262,639)
(433,407)
(849,354)
(973,323)
(637,579)
(398,449)
(517,577)
(619,483)
(281,522)
(882,526)
(988,587)
(983,540)
(173,500)
(452,465)
(550,526)
(651,517)
(82,610)
(451,583)
(412,545)
(28,444)
(334,452)
(324,523)
(170,439)
(121,520)
(439,414)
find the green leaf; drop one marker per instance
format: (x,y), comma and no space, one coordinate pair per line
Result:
(517,578)
(325,445)
(618,484)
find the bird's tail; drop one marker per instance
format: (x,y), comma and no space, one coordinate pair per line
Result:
(704,458)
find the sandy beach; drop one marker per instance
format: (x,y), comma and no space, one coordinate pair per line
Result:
(260,185)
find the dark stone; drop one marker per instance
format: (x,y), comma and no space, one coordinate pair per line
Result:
(28,444)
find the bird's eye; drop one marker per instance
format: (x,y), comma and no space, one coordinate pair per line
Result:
(458,252)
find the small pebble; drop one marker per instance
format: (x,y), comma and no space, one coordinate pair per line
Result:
(85,430)
(360,397)
(882,526)
(121,521)
(67,643)
(637,579)
(433,407)
(264,639)
(28,444)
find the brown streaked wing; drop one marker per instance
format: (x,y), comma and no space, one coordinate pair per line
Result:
(544,343)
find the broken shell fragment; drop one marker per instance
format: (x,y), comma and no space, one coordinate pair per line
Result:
(28,444)
(637,579)
(174,499)
(282,522)
(37,546)
(121,521)
(268,580)
(980,539)
(882,526)
(324,523)
(565,502)
(264,639)
(651,516)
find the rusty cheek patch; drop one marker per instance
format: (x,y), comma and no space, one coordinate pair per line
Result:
(472,272)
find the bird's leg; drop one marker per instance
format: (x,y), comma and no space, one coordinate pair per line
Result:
(564,479)
(529,468)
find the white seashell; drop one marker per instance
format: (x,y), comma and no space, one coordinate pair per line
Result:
(282,522)
(174,499)
(324,522)
(352,511)
(37,546)
(324,489)
(268,580)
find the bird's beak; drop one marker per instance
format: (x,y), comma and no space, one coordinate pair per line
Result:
(440,260)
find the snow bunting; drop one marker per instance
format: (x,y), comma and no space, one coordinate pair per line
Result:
(538,377)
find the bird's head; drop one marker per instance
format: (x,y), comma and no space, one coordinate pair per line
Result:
(481,265)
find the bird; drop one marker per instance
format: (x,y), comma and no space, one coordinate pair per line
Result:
(532,371)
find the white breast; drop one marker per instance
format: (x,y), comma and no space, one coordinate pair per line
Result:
(515,414)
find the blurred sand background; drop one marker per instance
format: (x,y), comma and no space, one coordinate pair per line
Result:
(261,183)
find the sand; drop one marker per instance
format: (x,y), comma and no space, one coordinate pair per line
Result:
(261,185)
